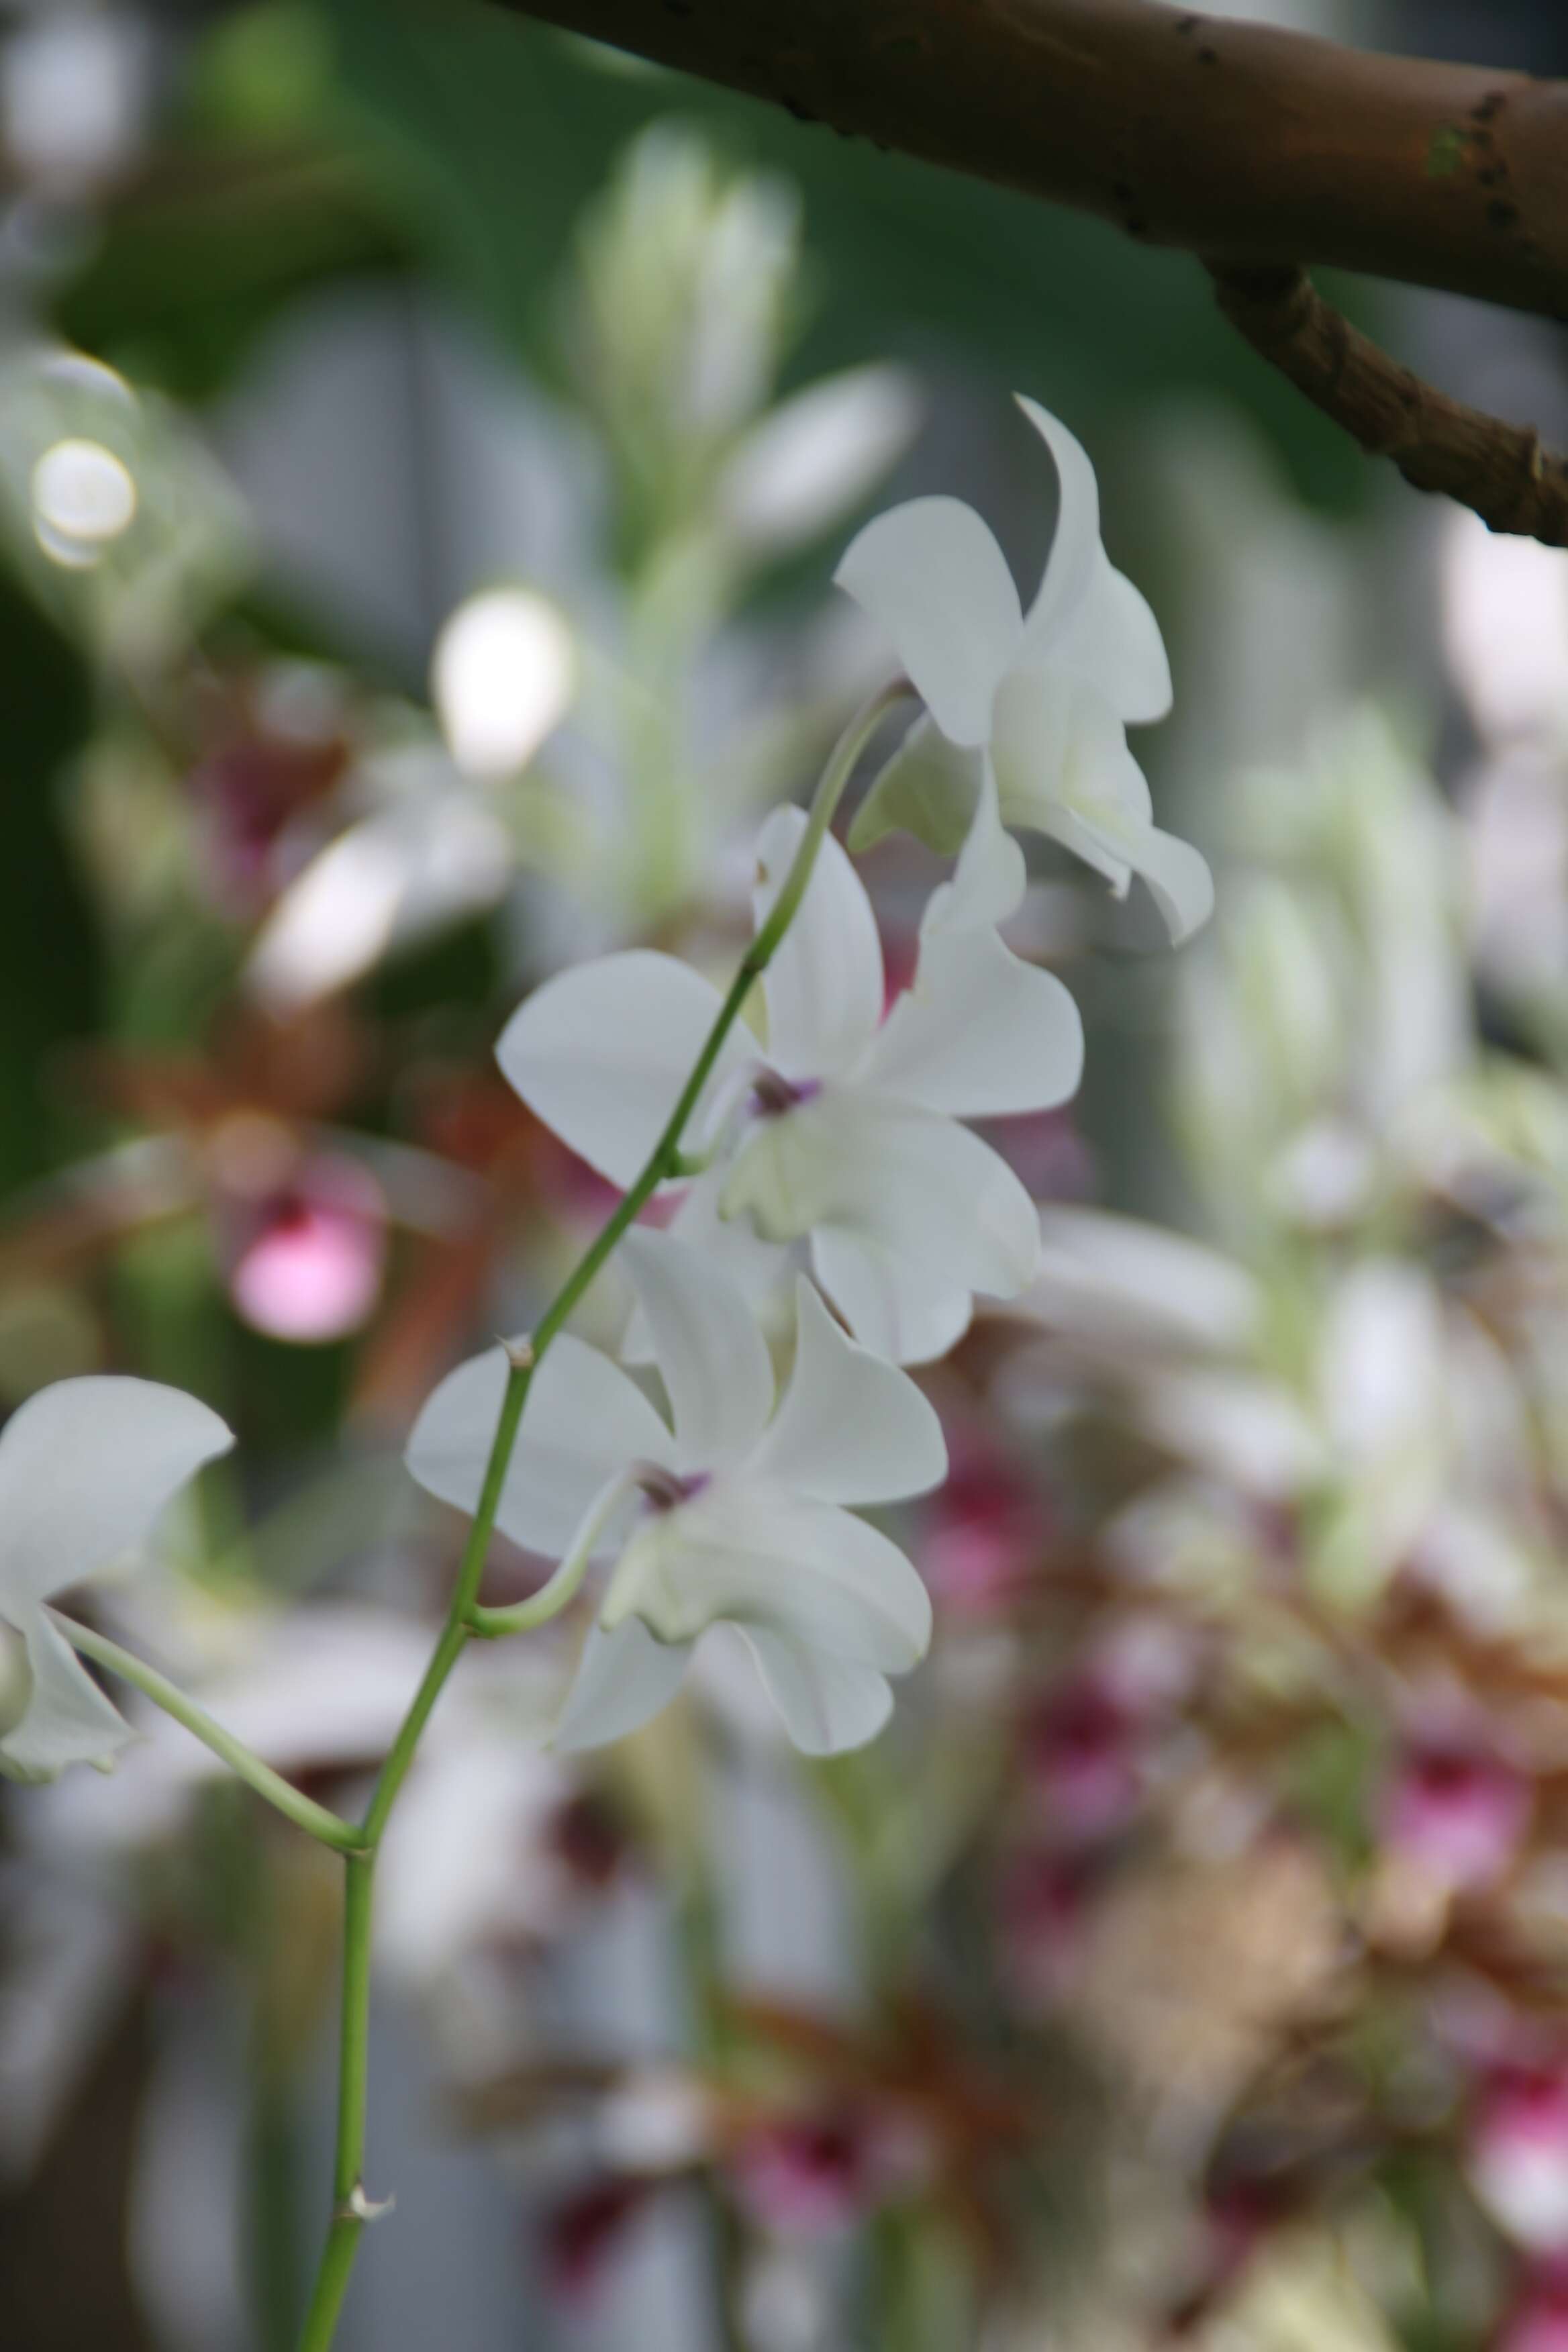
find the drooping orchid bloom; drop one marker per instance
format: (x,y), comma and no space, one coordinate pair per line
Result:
(1040,700)
(845,1129)
(86,1468)
(735,1514)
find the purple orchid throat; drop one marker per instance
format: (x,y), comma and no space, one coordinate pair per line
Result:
(771,1096)
(664,1489)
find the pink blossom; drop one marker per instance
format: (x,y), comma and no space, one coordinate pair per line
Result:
(1519,2156)
(986,1532)
(1538,2320)
(1042,1904)
(1083,1751)
(1459,1813)
(311,1254)
(583,2233)
(823,2169)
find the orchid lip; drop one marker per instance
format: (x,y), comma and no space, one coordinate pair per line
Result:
(773,1096)
(665,1489)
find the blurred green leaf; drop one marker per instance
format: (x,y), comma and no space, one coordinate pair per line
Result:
(49,964)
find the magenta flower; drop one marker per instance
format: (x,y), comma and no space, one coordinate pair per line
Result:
(1083,1752)
(584,2233)
(1538,2320)
(823,2170)
(1519,2156)
(987,1535)
(1459,1813)
(1042,1905)
(311,1254)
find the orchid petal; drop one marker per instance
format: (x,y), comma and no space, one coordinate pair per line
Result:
(623,1679)
(1076,552)
(1089,620)
(851,1428)
(932,576)
(1113,645)
(68,1719)
(1178,879)
(1059,746)
(757,1267)
(752,1553)
(990,877)
(929,788)
(86,1468)
(933,1209)
(828,1706)
(711,1355)
(825,986)
(980,1035)
(600,1054)
(896,1304)
(584,1420)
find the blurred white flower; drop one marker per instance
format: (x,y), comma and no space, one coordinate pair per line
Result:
(83,495)
(118,512)
(74,86)
(1043,699)
(735,1516)
(1518,2158)
(86,1467)
(848,1128)
(1117,1283)
(502,678)
(1505,631)
(816,455)
(432,855)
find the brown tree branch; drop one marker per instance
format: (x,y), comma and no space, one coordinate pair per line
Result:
(1501,470)
(1234,141)
(1261,151)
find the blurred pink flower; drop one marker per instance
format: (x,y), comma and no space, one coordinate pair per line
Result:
(986,1530)
(1042,1903)
(1459,1813)
(1047,1151)
(312,1253)
(582,2232)
(1519,2156)
(1083,1754)
(1538,2320)
(824,2169)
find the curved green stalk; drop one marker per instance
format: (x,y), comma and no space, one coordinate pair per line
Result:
(303,1811)
(465,1618)
(560,1588)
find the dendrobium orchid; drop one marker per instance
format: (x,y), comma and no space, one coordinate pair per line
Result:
(847,1129)
(1041,701)
(86,1468)
(734,1515)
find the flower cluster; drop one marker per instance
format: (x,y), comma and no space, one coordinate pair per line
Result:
(833,1133)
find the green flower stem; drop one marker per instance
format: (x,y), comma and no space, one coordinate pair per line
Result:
(301,1810)
(554,1596)
(465,1617)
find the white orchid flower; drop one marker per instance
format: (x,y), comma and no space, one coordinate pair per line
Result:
(86,1467)
(736,1515)
(848,1128)
(1043,699)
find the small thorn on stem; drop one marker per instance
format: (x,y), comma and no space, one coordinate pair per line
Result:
(358,2207)
(519,1353)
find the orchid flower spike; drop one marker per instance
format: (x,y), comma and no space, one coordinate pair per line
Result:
(847,1129)
(735,1514)
(86,1468)
(1043,699)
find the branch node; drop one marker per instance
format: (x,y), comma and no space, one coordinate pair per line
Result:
(1497,469)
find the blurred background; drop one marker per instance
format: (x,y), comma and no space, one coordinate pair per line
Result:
(424,444)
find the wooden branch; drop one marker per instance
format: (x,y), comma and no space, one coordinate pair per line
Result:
(1237,142)
(1501,470)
